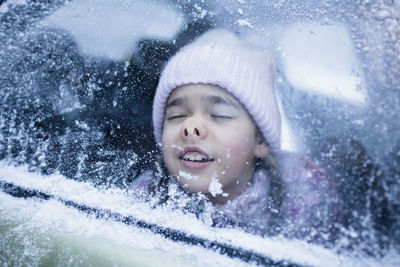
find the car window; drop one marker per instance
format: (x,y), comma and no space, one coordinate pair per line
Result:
(78,80)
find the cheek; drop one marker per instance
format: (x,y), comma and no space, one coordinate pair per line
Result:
(237,149)
(166,135)
(169,138)
(167,155)
(238,157)
(168,147)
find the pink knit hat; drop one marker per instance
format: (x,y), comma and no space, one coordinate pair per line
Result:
(247,74)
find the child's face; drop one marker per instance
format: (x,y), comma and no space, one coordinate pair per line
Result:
(210,142)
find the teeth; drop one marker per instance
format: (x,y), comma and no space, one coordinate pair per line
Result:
(193,156)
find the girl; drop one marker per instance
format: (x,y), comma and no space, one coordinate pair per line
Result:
(216,118)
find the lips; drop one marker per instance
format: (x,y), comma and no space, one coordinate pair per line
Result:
(195,158)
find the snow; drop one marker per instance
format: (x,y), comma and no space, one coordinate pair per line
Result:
(320,59)
(177,147)
(289,141)
(53,217)
(112,28)
(215,187)
(4,6)
(50,228)
(245,22)
(228,153)
(382,14)
(187,175)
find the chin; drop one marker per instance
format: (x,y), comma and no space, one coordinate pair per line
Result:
(193,186)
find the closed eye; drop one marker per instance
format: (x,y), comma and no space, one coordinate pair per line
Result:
(215,116)
(176,117)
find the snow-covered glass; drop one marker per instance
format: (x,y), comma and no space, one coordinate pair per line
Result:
(77,81)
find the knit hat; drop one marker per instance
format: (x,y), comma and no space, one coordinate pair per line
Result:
(220,58)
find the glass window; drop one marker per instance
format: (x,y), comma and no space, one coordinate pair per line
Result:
(81,172)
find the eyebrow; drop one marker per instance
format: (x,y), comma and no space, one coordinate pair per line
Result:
(176,102)
(221,101)
(213,99)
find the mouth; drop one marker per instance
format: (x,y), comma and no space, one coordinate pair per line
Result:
(194,154)
(195,158)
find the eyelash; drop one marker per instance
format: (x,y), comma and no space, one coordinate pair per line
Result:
(176,117)
(212,116)
(221,117)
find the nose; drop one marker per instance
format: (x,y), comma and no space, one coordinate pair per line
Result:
(194,128)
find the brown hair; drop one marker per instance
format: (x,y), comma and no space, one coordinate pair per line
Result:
(276,193)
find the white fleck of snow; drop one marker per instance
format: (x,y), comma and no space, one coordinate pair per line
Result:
(365,49)
(203,14)
(187,175)
(242,1)
(228,153)
(219,160)
(177,147)
(274,211)
(244,22)
(383,14)
(202,11)
(215,187)
(240,11)
(358,122)
(82,125)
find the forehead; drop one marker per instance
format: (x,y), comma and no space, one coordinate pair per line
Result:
(198,91)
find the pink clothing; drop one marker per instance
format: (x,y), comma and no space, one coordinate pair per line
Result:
(309,209)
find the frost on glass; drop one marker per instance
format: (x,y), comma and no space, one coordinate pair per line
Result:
(77,80)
